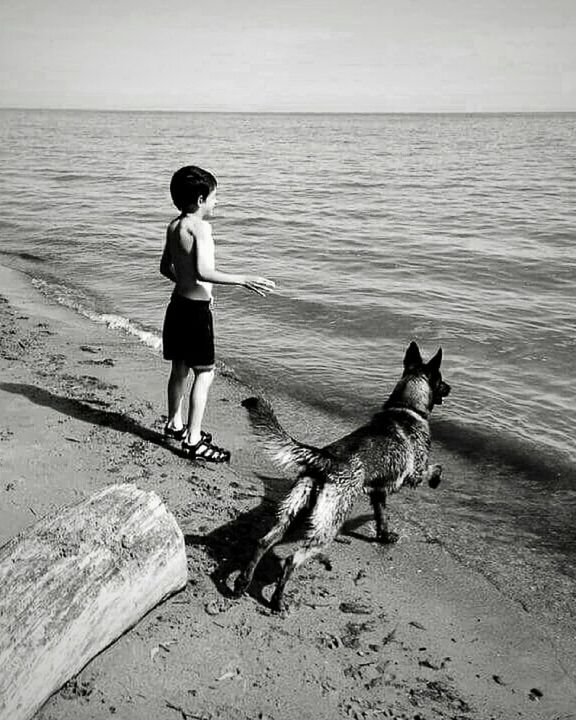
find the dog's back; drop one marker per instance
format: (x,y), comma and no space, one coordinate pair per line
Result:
(390,450)
(393,448)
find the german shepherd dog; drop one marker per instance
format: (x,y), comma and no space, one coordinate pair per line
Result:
(378,458)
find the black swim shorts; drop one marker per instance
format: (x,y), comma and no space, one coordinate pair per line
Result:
(188,333)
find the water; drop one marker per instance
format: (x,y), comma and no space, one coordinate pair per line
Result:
(454,230)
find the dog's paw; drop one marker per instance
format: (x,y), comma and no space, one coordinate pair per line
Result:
(277,604)
(388,538)
(435,477)
(241,585)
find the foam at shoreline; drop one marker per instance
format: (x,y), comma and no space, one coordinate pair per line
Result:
(72,299)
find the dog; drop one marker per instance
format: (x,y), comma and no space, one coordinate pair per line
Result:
(389,452)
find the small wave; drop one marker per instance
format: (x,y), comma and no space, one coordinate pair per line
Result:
(23,255)
(117,322)
(74,300)
(7,225)
(547,468)
(73,177)
(538,463)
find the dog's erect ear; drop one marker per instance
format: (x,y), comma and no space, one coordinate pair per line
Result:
(434,364)
(412,357)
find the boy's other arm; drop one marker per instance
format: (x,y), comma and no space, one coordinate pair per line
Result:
(166,265)
(206,266)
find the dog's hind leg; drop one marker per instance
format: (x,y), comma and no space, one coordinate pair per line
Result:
(331,509)
(296,501)
(290,564)
(378,502)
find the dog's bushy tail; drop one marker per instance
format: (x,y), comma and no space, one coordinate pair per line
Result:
(282,448)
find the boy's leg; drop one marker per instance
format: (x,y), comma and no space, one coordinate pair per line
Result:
(176,389)
(198,398)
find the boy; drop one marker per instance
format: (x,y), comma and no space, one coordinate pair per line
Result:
(188,260)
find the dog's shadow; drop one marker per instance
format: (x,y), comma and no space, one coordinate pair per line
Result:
(232,545)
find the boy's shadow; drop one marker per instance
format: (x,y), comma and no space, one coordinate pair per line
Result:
(83,410)
(232,545)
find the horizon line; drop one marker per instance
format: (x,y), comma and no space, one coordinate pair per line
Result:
(289,112)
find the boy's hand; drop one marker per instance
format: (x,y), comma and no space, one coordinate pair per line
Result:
(259,285)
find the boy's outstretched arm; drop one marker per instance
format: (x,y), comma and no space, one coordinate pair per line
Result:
(206,267)
(166,265)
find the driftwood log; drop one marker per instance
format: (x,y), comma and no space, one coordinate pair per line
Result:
(74,582)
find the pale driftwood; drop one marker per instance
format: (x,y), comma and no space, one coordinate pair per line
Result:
(74,582)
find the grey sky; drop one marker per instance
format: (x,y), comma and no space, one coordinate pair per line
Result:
(301,55)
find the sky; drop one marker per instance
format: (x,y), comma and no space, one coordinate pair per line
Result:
(296,56)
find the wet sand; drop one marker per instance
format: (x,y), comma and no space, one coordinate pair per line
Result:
(409,632)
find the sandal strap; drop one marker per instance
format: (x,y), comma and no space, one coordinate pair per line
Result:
(199,449)
(180,434)
(205,450)
(173,433)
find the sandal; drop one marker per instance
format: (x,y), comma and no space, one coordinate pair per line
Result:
(204,450)
(174,434)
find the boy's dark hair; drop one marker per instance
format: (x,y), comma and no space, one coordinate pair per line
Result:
(190,183)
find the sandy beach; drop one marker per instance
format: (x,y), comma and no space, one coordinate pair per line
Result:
(408,632)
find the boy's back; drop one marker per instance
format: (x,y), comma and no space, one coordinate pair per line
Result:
(181,247)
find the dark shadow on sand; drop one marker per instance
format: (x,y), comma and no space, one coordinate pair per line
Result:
(84,410)
(232,545)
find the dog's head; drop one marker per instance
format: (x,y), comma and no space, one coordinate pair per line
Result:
(421,386)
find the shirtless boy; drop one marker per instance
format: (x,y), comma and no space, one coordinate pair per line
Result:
(188,336)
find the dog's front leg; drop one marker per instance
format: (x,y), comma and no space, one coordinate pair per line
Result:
(378,501)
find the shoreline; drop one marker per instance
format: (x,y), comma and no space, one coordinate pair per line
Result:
(457,434)
(81,407)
